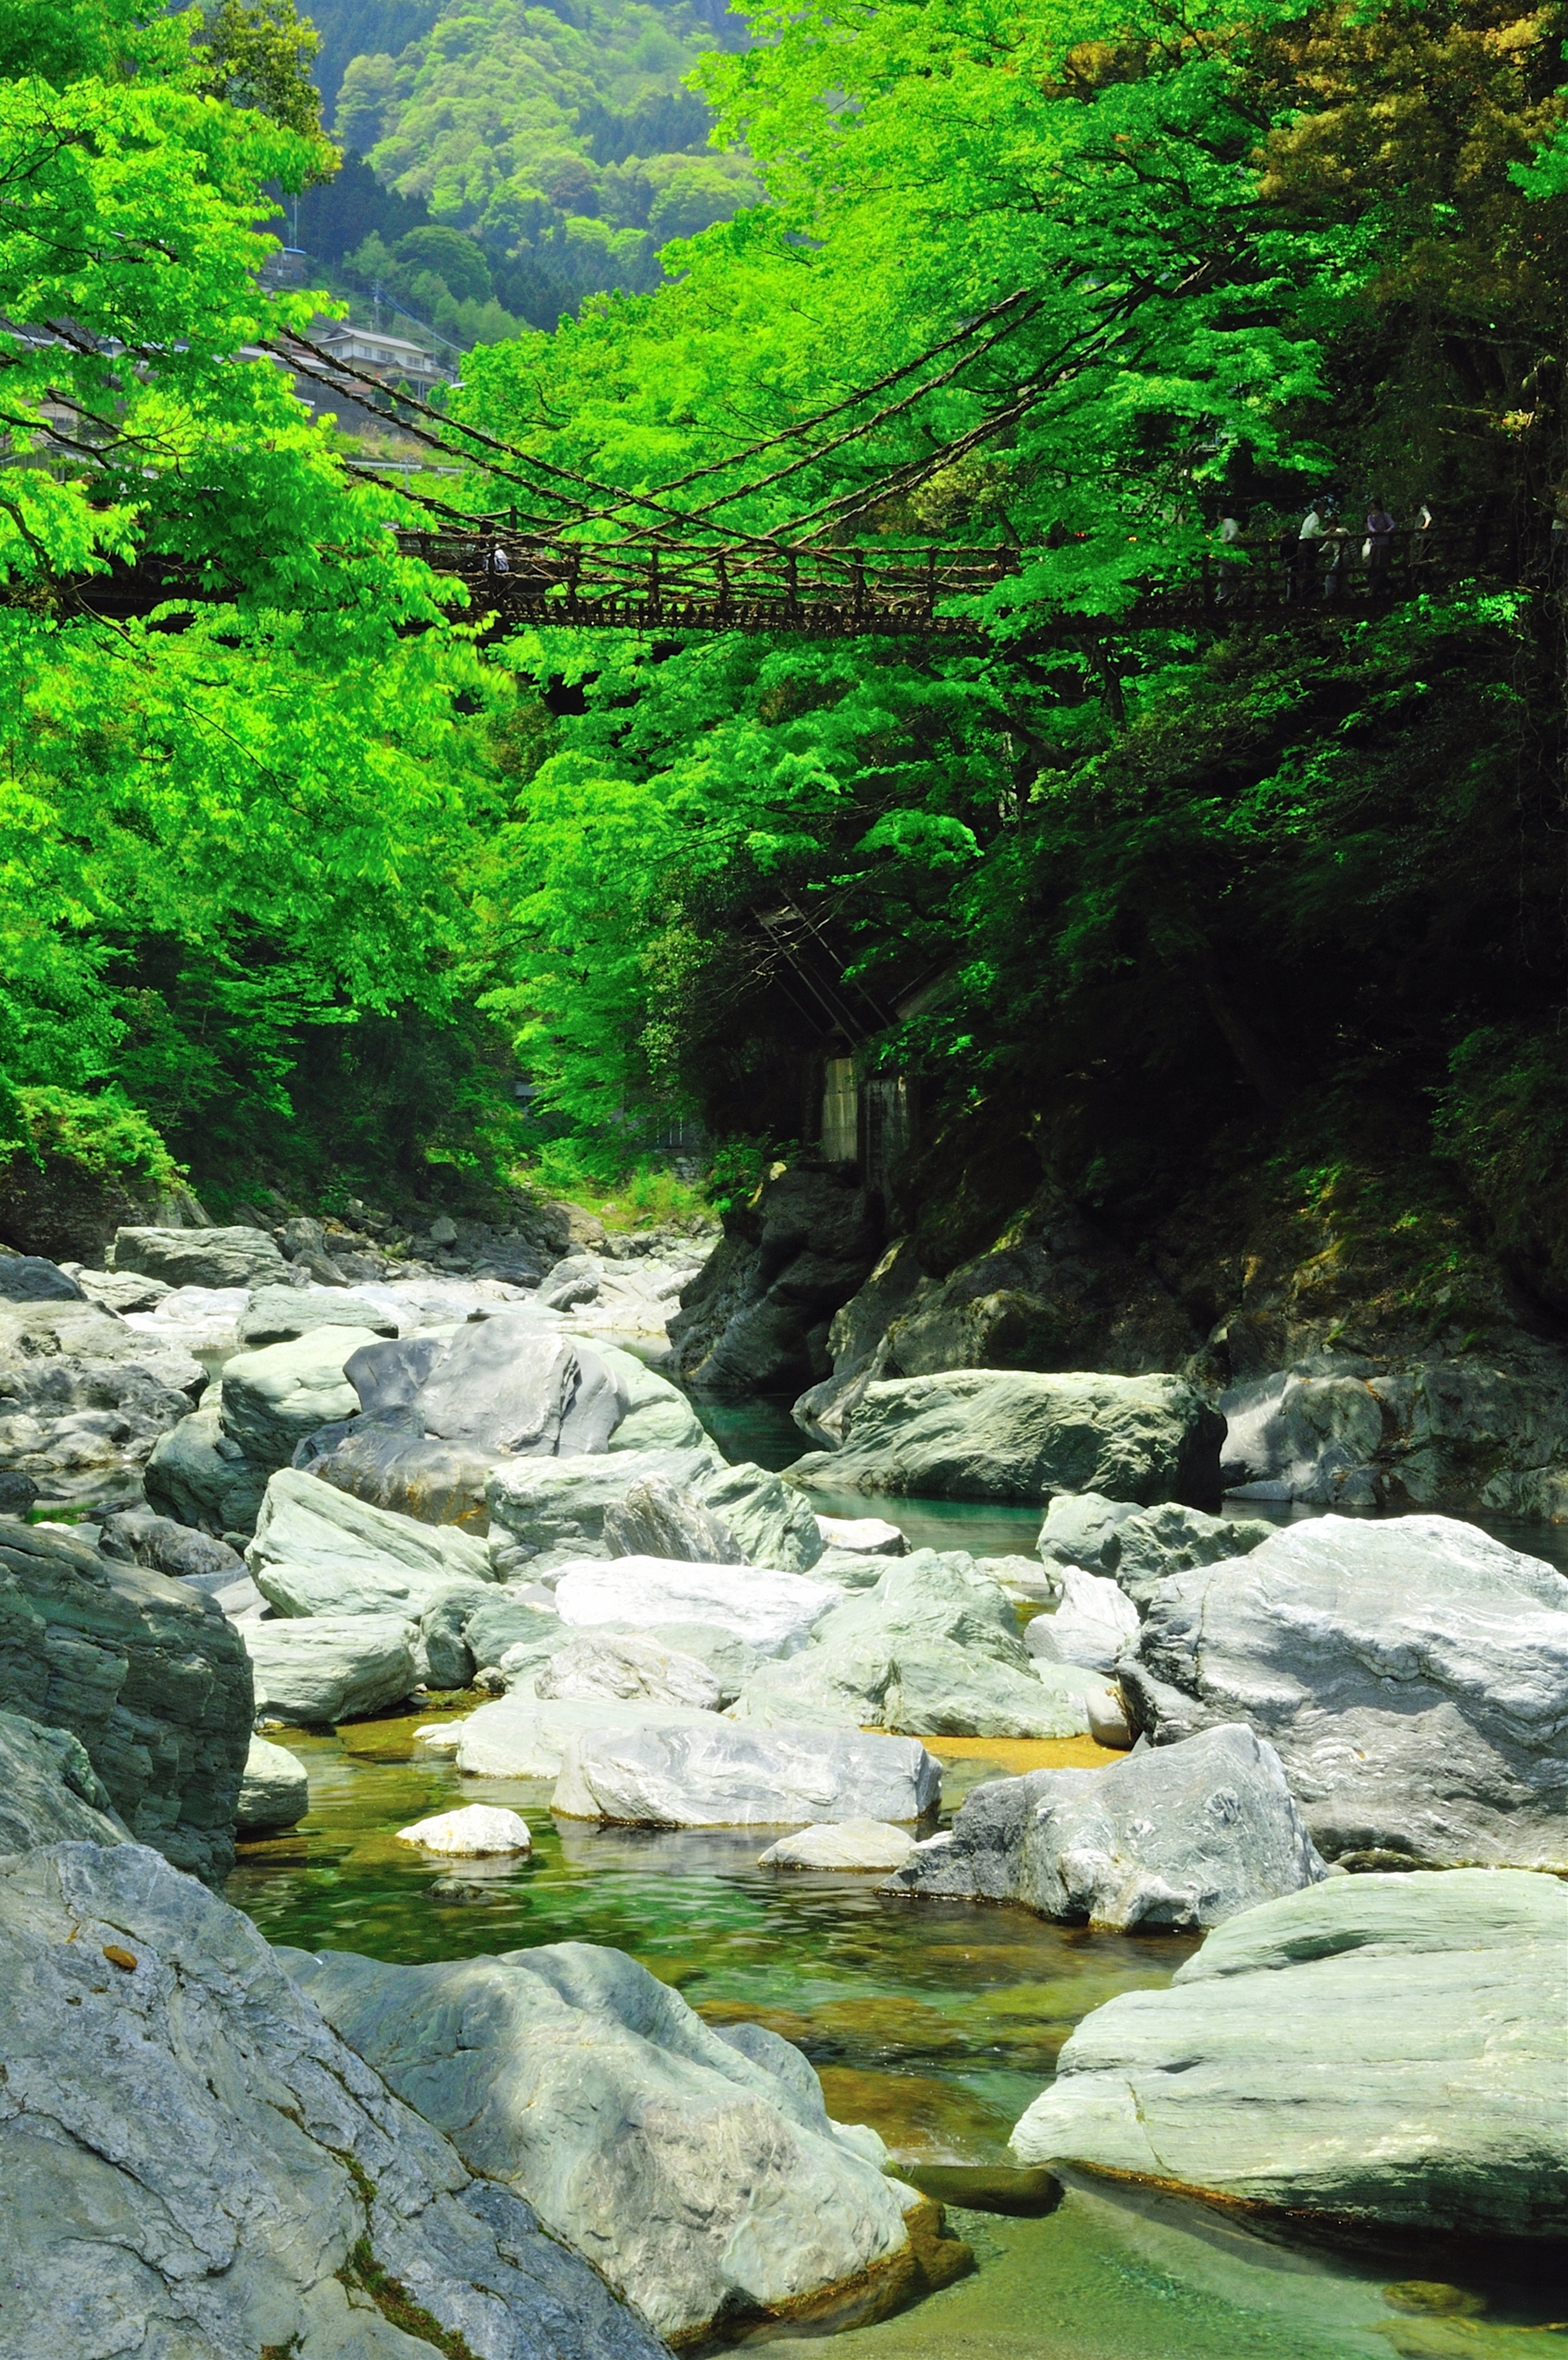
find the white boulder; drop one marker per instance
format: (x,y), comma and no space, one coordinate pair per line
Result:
(774,1612)
(335,1668)
(719,1776)
(846,1843)
(474,1832)
(624,1665)
(1093,1623)
(274,1791)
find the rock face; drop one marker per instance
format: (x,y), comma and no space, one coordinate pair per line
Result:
(190,2161)
(235,1257)
(1383,2048)
(701,2183)
(721,1777)
(334,1668)
(1002,1435)
(864,1845)
(1412,1675)
(50,1792)
(655,1519)
(756,1318)
(771,1611)
(933,1650)
(1180,1836)
(317,1551)
(1093,1623)
(274,1398)
(145,1672)
(84,1399)
(274,1791)
(626,1665)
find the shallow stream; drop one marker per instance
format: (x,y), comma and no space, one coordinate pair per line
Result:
(935,2022)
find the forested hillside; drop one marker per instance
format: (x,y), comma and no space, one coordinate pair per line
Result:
(562,143)
(1153,909)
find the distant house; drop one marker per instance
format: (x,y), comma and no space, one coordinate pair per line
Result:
(382,356)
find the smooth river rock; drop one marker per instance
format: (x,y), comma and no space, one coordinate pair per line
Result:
(699,2182)
(556,1508)
(657,1519)
(333,1667)
(192,2165)
(1091,1626)
(85,1400)
(1138,1547)
(1412,1675)
(278,1315)
(231,1257)
(1179,1836)
(512,1385)
(719,1776)
(773,1612)
(1003,1434)
(1386,2049)
(865,1845)
(198,1475)
(933,1650)
(477,1831)
(625,1664)
(274,1398)
(524,1736)
(320,1551)
(274,1791)
(145,1672)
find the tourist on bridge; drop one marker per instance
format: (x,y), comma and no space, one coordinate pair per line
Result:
(1314,525)
(1378,550)
(1231,582)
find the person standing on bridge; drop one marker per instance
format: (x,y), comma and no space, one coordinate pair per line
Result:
(500,561)
(1314,527)
(1379,548)
(1230,589)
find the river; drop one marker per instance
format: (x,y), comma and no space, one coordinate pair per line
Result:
(935,2022)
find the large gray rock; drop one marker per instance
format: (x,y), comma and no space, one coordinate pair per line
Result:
(50,1792)
(318,1551)
(1173,1539)
(511,1616)
(384,1458)
(1093,1623)
(280,1315)
(626,1665)
(28,1278)
(274,1791)
(773,1612)
(755,1317)
(1178,1836)
(198,1475)
(84,1400)
(693,1774)
(140,1536)
(702,2183)
(273,1399)
(525,1736)
(192,2163)
(513,1385)
(333,1667)
(658,1415)
(145,1672)
(655,1519)
(994,1434)
(933,1650)
(121,1290)
(1412,1675)
(1384,2050)
(234,1257)
(557,1507)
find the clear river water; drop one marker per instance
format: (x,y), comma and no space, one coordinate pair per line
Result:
(936,2022)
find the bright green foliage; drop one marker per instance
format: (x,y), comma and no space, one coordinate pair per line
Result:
(253,815)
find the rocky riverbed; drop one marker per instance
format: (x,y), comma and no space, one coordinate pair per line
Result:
(706,1867)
